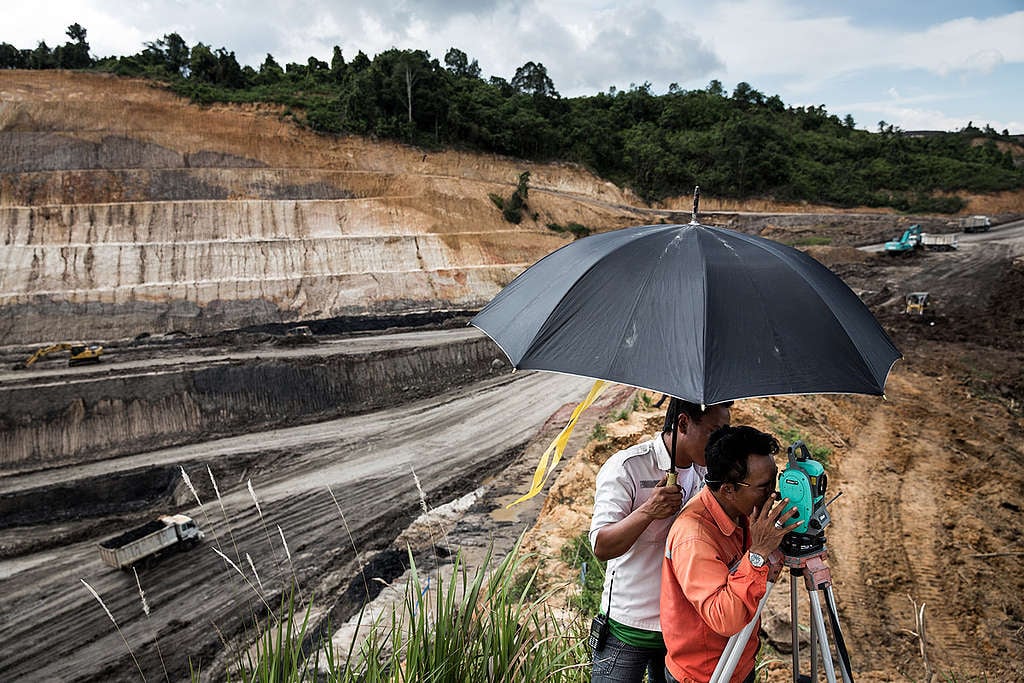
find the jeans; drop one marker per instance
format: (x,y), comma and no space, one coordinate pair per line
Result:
(619,662)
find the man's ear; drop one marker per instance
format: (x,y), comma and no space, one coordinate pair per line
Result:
(683,423)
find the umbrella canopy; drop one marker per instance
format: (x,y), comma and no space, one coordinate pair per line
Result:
(697,312)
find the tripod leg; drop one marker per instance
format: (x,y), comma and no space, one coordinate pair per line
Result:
(814,647)
(737,643)
(794,614)
(818,623)
(837,634)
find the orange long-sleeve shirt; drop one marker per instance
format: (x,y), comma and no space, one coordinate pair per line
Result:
(709,590)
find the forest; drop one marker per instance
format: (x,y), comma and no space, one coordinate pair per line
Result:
(741,144)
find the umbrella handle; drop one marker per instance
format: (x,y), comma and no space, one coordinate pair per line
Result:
(672,477)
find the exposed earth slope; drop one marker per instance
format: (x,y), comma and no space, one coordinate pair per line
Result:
(126,211)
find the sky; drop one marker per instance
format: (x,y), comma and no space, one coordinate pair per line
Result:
(916,64)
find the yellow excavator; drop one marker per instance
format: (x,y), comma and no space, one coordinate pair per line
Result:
(80,353)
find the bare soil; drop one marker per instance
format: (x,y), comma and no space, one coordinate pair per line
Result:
(932,476)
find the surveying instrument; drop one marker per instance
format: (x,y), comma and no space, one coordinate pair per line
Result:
(803,551)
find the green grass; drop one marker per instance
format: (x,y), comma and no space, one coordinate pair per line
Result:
(787,436)
(490,624)
(578,554)
(628,409)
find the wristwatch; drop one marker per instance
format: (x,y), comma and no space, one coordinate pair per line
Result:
(757,560)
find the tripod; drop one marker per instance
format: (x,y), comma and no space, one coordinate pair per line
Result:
(805,555)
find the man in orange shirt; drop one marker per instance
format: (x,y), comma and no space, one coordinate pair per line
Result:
(715,570)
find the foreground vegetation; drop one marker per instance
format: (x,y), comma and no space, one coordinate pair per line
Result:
(743,144)
(482,625)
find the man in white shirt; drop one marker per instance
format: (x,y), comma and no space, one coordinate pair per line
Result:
(633,511)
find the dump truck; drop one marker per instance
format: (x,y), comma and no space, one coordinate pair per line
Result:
(975,223)
(149,540)
(940,242)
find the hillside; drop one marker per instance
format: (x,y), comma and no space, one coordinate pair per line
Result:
(127,210)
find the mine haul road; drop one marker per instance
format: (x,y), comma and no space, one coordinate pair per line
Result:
(52,628)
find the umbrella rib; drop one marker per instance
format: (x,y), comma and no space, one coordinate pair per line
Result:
(648,277)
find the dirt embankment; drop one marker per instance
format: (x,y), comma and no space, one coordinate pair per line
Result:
(932,477)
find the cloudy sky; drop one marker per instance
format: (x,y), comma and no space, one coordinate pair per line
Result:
(935,64)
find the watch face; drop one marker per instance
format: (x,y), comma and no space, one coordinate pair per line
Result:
(756,560)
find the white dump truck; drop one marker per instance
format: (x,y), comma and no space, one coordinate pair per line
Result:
(975,223)
(150,539)
(940,242)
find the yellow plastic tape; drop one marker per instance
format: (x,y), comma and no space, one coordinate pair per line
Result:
(558,445)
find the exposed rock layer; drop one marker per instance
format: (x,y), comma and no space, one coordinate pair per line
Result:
(102,416)
(125,210)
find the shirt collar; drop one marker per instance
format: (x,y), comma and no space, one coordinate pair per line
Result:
(725,523)
(661,453)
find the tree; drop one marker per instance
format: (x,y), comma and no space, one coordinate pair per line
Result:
(170,53)
(337,64)
(532,79)
(41,57)
(202,64)
(176,51)
(11,57)
(73,55)
(744,94)
(270,71)
(458,63)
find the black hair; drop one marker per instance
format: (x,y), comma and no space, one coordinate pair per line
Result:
(694,411)
(727,451)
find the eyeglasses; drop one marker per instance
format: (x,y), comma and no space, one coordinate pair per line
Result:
(766,487)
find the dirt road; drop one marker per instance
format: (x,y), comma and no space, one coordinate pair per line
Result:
(53,629)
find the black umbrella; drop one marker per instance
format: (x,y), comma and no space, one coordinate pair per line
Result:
(697,312)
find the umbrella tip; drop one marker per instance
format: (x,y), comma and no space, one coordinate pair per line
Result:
(696,202)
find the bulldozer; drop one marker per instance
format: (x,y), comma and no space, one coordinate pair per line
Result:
(78,353)
(916,303)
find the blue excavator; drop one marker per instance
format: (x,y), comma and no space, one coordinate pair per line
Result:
(907,243)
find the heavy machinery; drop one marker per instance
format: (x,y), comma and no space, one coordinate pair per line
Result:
(916,303)
(913,238)
(150,539)
(975,223)
(905,244)
(79,353)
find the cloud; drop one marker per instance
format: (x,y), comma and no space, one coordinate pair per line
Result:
(924,112)
(766,38)
(798,49)
(636,44)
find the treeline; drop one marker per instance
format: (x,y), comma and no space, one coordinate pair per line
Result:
(740,144)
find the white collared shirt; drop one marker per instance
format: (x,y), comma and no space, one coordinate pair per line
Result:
(625,482)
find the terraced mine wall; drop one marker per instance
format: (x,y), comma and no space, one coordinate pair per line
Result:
(125,210)
(46,425)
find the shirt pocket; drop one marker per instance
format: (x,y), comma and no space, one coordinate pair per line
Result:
(656,531)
